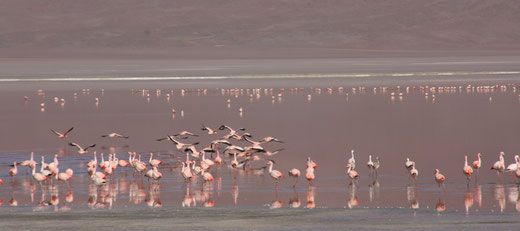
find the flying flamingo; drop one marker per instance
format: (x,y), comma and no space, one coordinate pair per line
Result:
(210,131)
(62,135)
(467,170)
(439,178)
(275,174)
(294,173)
(115,135)
(477,163)
(80,149)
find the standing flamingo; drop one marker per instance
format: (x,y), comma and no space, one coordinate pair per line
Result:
(294,173)
(353,175)
(38,176)
(499,165)
(414,173)
(13,171)
(309,174)
(186,172)
(477,163)
(206,176)
(467,170)
(439,178)
(408,164)
(275,174)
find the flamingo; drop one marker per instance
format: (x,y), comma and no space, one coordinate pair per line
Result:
(207,161)
(512,167)
(64,176)
(408,164)
(351,162)
(13,171)
(54,164)
(477,163)
(467,170)
(311,163)
(43,170)
(115,135)
(370,164)
(414,173)
(234,162)
(270,139)
(62,135)
(31,163)
(38,176)
(376,165)
(179,145)
(275,174)
(206,176)
(80,149)
(186,173)
(310,174)
(154,162)
(439,178)
(93,162)
(353,175)
(232,132)
(294,173)
(184,133)
(156,174)
(218,159)
(210,131)
(196,169)
(499,165)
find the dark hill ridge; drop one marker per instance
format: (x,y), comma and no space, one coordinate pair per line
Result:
(345,24)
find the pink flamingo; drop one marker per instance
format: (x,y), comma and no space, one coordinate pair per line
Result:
(294,173)
(62,135)
(352,174)
(499,165)
(414,173)
(275,174)
(439,178)
(13,171)
(477,163)
(206,176)
(154,162)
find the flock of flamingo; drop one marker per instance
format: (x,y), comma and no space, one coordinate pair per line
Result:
(220,151)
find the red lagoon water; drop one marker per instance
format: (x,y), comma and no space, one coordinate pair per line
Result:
(435,127)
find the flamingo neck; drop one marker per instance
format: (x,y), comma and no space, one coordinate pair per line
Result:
(151,155)
(34,170)
(271,168)
(102,158)
(465,160)
(369,158)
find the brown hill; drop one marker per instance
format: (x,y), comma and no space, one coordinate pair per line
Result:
(345,24)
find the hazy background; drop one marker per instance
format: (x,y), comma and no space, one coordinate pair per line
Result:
(246,28)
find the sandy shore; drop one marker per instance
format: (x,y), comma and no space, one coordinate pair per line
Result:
(253,219)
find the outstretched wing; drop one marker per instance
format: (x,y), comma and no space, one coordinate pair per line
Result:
(68,131)
(75,145)
(57,133)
